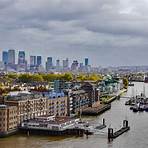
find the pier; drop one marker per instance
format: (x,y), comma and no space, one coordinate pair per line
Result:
(93,111)
(113,135)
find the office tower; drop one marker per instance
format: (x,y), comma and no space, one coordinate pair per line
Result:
(39,60)
(22,63)
(74,65)
(49,64)
(81,65)
(58,63)
(32,60)
(21,58)
(5,57)
(86,61)
(65,63)
(11,57)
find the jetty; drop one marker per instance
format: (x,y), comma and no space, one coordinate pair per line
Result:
(93,111)
(113,135)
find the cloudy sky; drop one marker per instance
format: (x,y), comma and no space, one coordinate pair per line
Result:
(109,32)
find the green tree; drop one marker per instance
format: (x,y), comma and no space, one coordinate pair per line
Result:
(125,82)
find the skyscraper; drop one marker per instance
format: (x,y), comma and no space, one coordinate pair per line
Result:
(58,63)
(5,57)
(74,65)
(49,63)
(65,63)
(32,60)
(11,57)
(21,58)
(22,63)
(86,61)
(39,60)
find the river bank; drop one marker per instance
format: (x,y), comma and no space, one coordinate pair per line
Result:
(135,138)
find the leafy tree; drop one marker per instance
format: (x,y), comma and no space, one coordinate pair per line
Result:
(125,82)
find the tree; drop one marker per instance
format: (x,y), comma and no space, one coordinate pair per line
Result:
(66,77)
(125,82)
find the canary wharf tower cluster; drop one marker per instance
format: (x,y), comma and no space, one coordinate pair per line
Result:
(19,63)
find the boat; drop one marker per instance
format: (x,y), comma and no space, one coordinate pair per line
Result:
(146,108)
(131,84)
(131,108)
(141,108)
(135,109)
(146,79)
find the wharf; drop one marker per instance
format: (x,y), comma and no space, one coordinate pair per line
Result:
(113,135)
(66,132)
(96,110)
(8,133)
(115,96)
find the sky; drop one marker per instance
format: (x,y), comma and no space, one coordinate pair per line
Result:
(108,32)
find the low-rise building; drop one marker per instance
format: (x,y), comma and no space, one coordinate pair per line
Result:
(57,103)
(28,106)
(78,100)
(8,119)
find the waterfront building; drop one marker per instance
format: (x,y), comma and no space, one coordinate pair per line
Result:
(57,103)
(11,57)
(8,119)
(28,105)
(93,92)
(78,100)
(5,57)
(51,124)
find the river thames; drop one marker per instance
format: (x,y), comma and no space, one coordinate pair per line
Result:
(137,137)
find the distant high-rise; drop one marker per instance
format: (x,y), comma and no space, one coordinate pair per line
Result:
(58,63)
(32,60)
(21,58)
(11,57)
(86,61)
(74,65)
(39,60)
(49,64)
(5,57)
(66,63)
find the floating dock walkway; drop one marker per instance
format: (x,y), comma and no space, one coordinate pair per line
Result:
(113,135)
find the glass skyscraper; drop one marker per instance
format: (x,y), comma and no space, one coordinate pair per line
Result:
(11,57)
(21,58)
(5,57)
(39,60)
(86,61)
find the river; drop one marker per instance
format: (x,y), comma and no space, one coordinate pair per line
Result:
(137,137)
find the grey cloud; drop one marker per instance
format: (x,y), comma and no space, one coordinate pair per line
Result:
(99,29)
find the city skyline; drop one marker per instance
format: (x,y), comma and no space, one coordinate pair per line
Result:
(43,59)
(111,33)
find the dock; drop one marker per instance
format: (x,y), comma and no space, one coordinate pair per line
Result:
(113,135)
(93,111)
